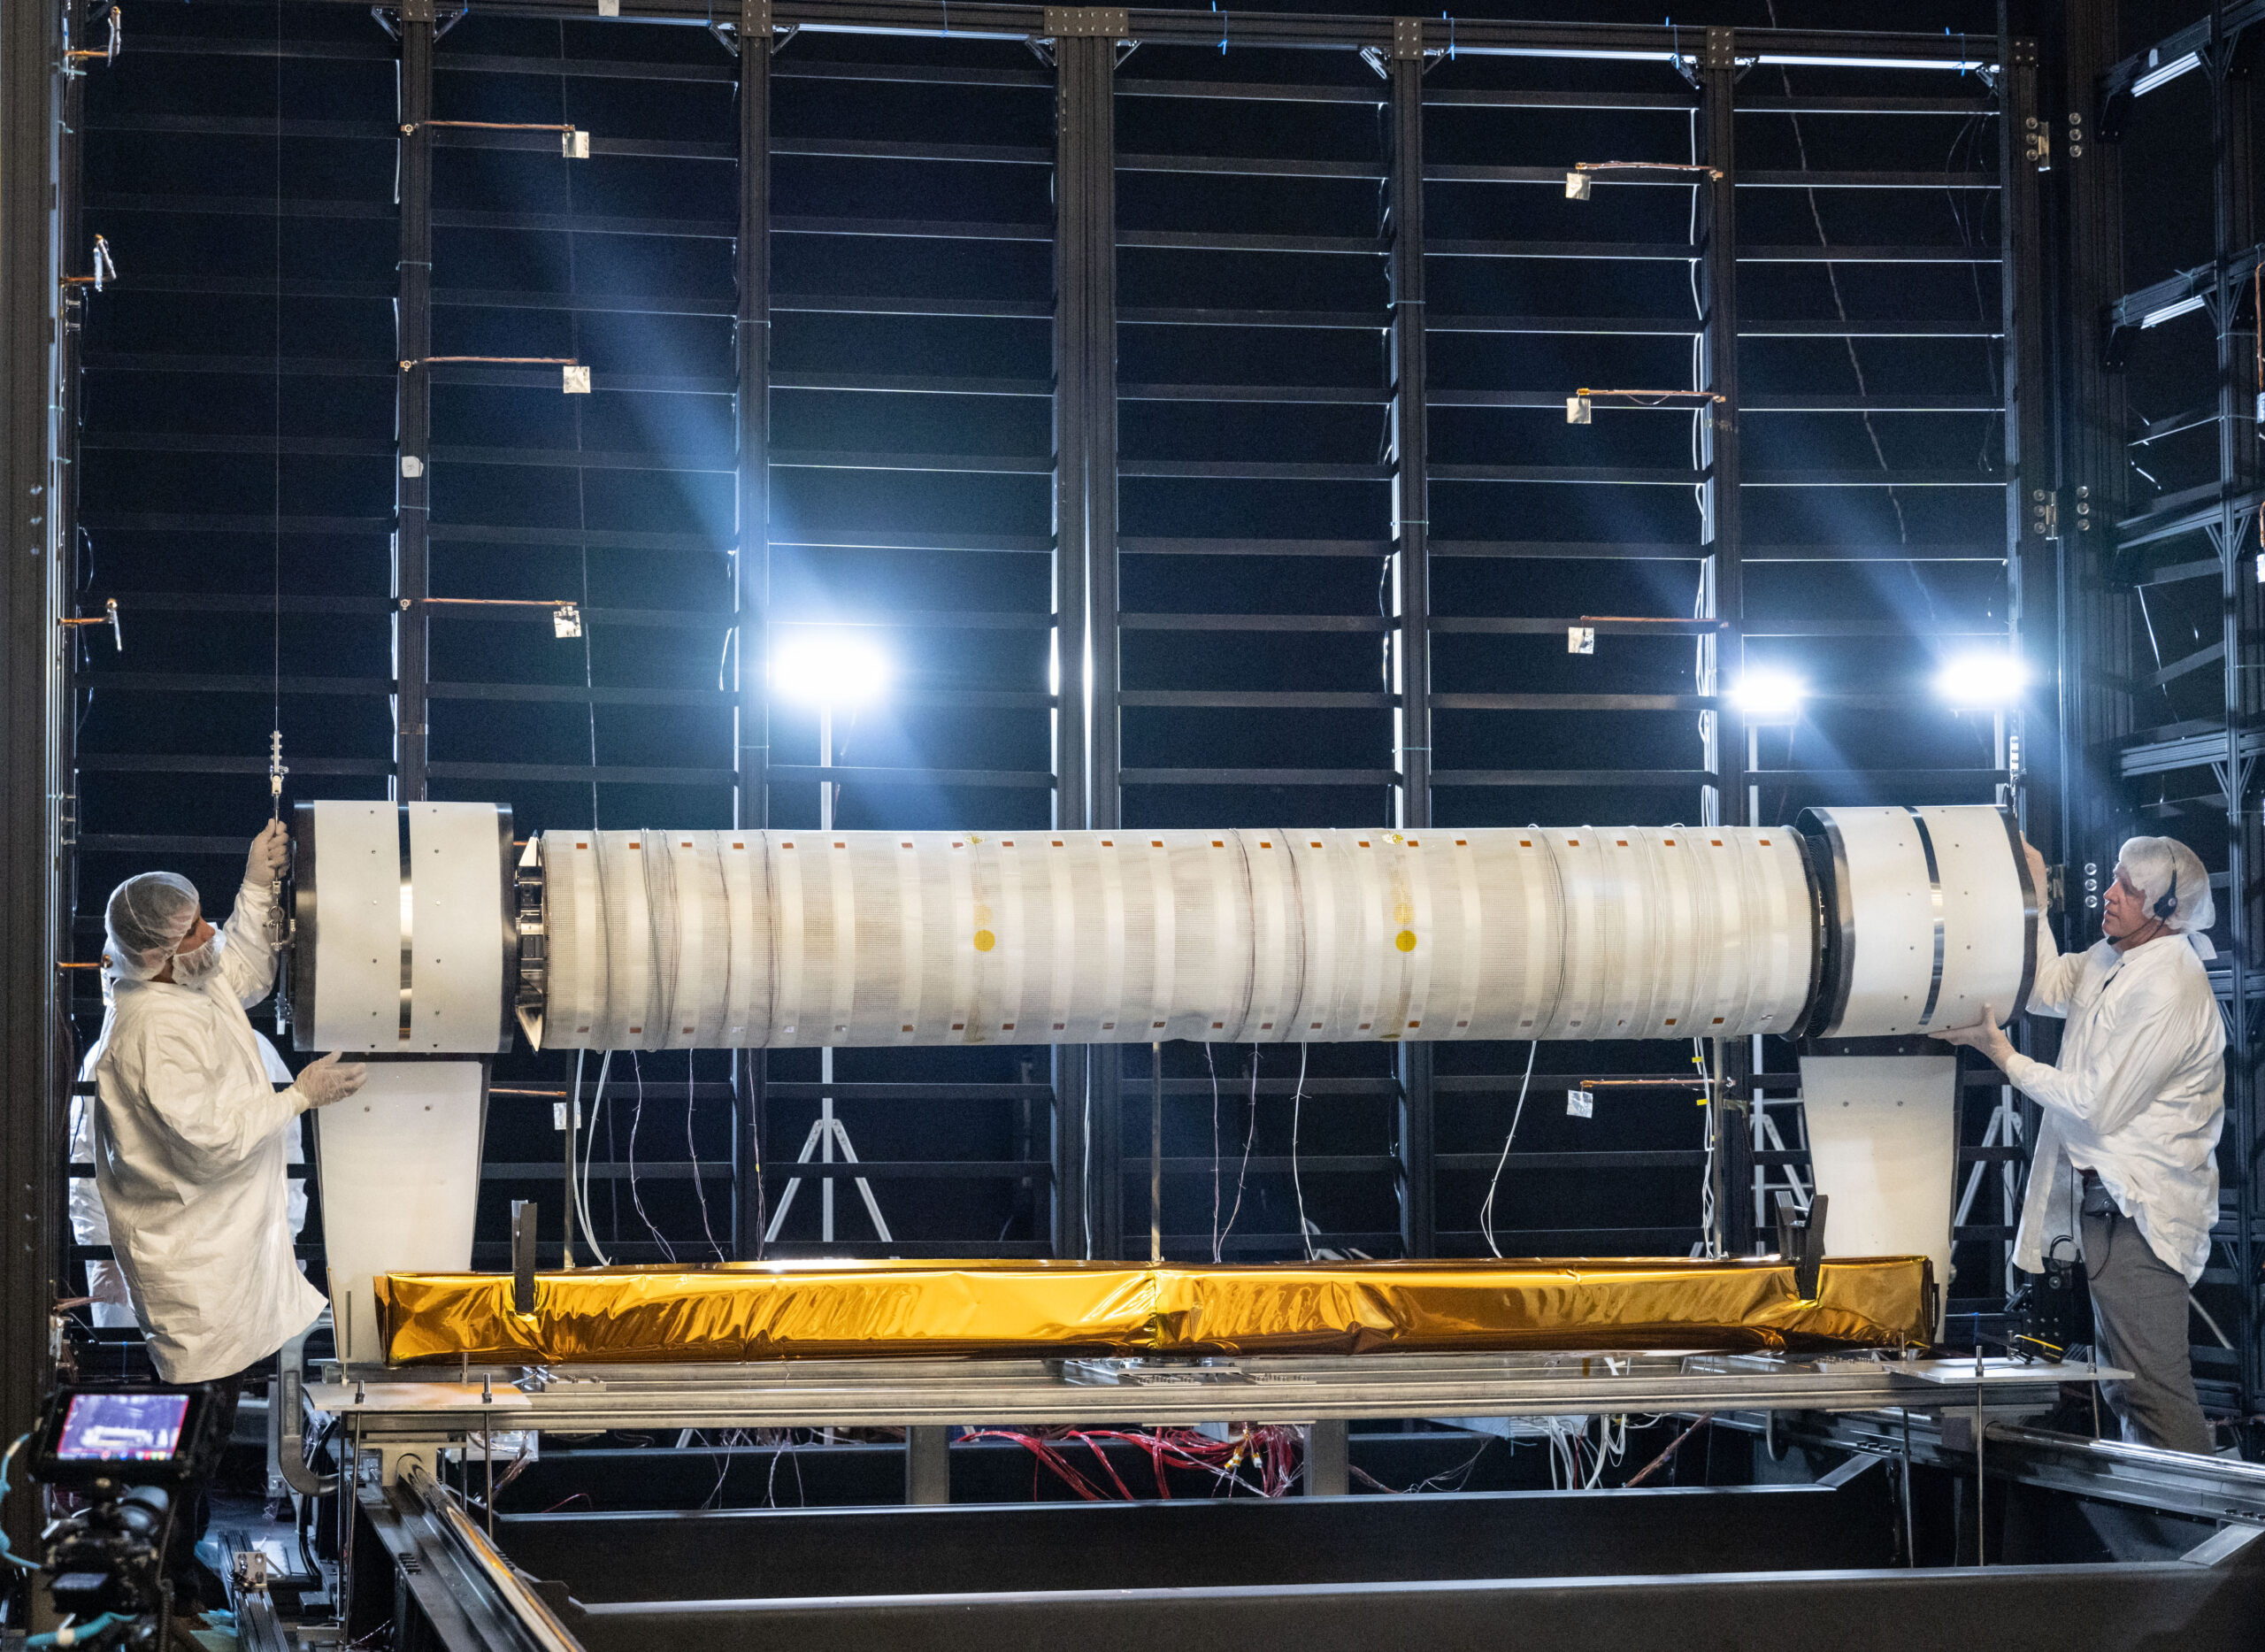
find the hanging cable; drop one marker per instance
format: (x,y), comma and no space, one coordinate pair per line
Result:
(1486,1207)
(1707,1245)
(692,1141)
(589,1228)
(1297,1185)
(637,1198)
(1250,1135)
(1211,1067)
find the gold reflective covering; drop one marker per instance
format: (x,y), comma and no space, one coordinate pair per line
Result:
(821,1309)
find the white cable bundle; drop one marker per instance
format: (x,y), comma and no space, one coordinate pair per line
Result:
(701,939)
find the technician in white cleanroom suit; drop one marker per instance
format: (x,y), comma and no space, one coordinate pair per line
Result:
(2125,1165)
(188,1132)
(112,1307)
(89,1225)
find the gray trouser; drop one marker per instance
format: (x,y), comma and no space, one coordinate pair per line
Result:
(2139,1315)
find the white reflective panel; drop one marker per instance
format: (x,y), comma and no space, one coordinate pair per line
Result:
(1883,1146)
(399,1166)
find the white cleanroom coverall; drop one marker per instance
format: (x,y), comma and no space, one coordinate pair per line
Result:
(189,1154)
(113,1308)
(2138,1096)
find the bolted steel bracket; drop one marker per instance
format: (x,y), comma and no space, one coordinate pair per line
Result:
(1407,37)
(1065,22)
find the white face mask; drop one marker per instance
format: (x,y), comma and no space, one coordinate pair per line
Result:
(193,968)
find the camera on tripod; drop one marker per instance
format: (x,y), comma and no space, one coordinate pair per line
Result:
(132,1455)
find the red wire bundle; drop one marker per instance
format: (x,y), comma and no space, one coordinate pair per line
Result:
(1272,1450)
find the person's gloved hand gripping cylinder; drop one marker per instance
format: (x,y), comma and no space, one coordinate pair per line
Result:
(189,1145)
(2125,1164)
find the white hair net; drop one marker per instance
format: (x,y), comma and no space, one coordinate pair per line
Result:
(145,919)
(2160,866)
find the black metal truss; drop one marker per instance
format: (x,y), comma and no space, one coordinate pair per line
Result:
(2166,733)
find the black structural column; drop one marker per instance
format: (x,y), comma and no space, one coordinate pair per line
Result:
(751,562)
(412,519)
(1721,535)
(1720,532)
(1088,1082)
(2033,522)
(2092,630)
(2233,186)
(1411,651)
(31,1169)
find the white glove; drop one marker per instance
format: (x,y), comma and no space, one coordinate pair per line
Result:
(325,1081)
(269,850)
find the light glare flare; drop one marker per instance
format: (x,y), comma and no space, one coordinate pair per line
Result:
(830,669)
(1770,696)
(1983,679)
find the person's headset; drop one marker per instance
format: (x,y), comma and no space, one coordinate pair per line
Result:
(2168,904)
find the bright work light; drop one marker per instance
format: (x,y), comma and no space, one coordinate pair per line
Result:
(837,670)
(1770,696)
(1986,681)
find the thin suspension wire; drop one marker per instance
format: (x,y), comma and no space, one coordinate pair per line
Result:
(275,495)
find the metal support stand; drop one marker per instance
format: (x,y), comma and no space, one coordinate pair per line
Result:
(1156,1154)
(828,1133)
(1328,1460)
(927,1464)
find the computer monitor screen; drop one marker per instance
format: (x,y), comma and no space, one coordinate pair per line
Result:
(122,1427)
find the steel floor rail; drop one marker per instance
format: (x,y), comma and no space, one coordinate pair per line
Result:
(409,1404)
(2173,1482)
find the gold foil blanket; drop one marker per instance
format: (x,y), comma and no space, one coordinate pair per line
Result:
(868,1310)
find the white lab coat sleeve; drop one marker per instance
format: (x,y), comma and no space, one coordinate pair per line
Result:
(2143,1042)
(210,1117)
(293,1148)
(248,962)
(89,1222)
(2058,973)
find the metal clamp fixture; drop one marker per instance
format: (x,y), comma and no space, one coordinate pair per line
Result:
(574,377)
(108,617)
(101,269)
(1583,177)
(1802,1242)
(106,52)
(1065,22)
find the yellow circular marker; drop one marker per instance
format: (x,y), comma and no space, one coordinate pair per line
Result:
(1405,940)
(985,940)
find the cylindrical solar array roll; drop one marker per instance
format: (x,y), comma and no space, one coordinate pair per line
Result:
(675,940)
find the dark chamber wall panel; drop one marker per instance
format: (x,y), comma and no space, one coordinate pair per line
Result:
(913,282)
